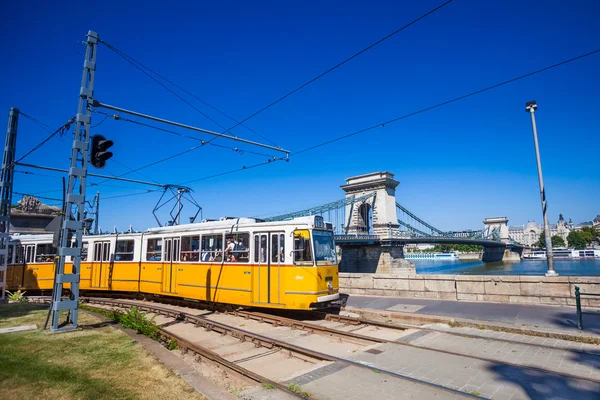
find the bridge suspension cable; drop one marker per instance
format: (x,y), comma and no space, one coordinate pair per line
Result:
(419,220)
(319,210)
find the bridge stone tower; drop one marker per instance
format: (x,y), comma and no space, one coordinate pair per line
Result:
(500,223)
(376,215)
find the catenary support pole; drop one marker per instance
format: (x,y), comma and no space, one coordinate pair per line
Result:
(530,107)
(72,226)
(97,209)
(6,188)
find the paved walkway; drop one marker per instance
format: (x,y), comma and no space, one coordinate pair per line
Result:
(547,317)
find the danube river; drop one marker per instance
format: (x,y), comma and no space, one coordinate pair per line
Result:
(565,267)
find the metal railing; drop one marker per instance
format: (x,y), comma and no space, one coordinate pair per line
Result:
(578,304)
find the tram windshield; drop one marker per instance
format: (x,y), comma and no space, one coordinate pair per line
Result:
(324,246)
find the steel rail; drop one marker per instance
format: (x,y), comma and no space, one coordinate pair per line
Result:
(260,340)
(96,103)
(186,345)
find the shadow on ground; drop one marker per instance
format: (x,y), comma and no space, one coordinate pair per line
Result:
(591,321)
(541,385)
(13,310)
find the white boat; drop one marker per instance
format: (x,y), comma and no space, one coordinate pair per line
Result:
(431,256)
(563,253)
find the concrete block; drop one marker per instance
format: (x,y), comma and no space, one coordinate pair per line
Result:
(530,279)
(470,287)
(510,278)
(502,288)
(555,289)
(524,299)
(416,285)
(593,302)
(530,288)
(440,285)
(553,300)
(471,278)
(584,279)
(585,288)
(391,283)
(497,298)
(447,295)
(469,297)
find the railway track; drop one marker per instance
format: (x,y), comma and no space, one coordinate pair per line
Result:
(352,337)
(210,324)
(270,343)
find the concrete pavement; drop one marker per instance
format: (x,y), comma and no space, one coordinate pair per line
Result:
(562,319)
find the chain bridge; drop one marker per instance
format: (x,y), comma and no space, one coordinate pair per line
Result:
(370,225)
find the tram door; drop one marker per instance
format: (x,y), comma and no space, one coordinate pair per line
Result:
(169,278)
(100,265)
(266,278)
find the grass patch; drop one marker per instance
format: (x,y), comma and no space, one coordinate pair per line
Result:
(474,393)
(92,363)
(298,390)
(268,386)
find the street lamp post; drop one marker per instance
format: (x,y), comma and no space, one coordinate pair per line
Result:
(530,107)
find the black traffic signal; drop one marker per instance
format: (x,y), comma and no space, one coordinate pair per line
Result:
(99,153)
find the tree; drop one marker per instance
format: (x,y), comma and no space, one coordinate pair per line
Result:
(576,240)
(541,243)
(557,241)
(590,234)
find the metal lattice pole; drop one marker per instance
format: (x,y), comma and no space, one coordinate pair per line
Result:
(72,226)
(6,186)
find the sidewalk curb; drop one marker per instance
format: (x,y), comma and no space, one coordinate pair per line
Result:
(173,363)
(419,319)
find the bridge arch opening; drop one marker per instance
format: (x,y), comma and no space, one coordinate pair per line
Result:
(365,219)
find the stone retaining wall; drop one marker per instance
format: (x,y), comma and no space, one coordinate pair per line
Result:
(498,289)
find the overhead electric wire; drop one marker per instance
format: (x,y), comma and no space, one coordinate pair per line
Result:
(130,194)
(204,142)
(43,142)
(139,66)
(382,124)
(340,64)
(38,197)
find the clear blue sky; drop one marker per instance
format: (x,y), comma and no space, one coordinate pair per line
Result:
(457,164)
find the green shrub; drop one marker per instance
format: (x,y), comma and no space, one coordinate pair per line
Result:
(136,320)
(18,296)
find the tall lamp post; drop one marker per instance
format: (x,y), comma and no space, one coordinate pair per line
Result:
(530,107)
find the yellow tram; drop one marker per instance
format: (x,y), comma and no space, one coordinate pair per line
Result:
(243,261)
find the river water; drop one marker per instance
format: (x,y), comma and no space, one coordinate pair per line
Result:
(564,267)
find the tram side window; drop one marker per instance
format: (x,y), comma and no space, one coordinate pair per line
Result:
(190,248)
(11,250)
(45,253)
(260,248)
(237,247)
(277,248)
(302,248)
(124,250)
(212,248)
(19,255)
(84,251)
(154,250)
(29,251)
